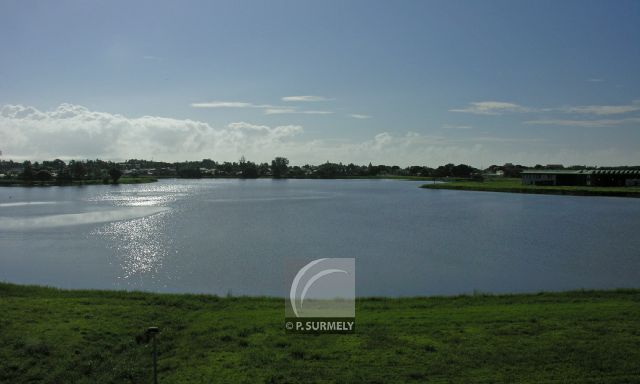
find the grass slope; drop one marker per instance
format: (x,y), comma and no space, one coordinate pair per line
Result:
(515,186)
(57,336)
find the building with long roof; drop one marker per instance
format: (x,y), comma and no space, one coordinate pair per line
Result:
(589,177)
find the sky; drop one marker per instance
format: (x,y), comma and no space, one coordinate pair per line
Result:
(387,82)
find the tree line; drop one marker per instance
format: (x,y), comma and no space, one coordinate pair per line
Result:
(62,172)
(65,172)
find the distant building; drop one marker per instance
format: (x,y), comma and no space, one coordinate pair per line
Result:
(590,177)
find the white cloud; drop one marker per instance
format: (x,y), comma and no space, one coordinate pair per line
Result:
(595,80)
(267,108)
(603,109)
(279,111)
(585,123)
(491,108)
(494,139)
(317,112)
(279,131)
(285,111)
(359,116)
(241,125)
(499,108)
(223,104)
(305,98)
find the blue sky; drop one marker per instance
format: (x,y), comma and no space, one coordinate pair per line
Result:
(410,82)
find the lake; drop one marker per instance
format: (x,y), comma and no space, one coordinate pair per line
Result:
(233,236)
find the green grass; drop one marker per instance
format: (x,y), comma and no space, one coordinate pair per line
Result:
(515,186)
(27,183)
(58,336)
(388,177)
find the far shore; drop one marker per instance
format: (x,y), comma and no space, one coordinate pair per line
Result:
(54,183)
(152,179)
(514,185)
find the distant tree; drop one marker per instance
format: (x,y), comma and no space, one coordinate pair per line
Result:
(426,171)
(43,175)
(416,171)
(115,174)
(328,170)
(78,170)
(225,169)
(462,170)
(511,170)
(249,170)
(372,170)
(189,173)
(27,171)
(279,167)
(64,177)
(296,172)
(208,163)
(58,164)
(264,170)
(450,170)
(443,170)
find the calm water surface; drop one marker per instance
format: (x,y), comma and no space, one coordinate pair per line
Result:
(221,236)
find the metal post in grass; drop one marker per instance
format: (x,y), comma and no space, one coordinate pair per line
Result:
(153,331)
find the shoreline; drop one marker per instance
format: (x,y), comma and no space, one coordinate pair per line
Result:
(512,186)
(153,179)
(78,183)
(8,286)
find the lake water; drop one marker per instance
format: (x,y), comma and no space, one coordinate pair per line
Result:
(221,236)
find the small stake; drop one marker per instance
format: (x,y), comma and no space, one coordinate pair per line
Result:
(153,331)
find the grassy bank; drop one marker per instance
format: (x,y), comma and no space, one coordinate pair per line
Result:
(33,183)
(515,186)
(385,177)
(55,336)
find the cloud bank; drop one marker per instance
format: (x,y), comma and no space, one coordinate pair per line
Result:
(75,132)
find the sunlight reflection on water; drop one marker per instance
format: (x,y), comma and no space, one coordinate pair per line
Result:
(140,248)
(147,196)
(140,245)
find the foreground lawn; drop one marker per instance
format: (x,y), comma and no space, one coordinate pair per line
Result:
(55,336)
(515,186)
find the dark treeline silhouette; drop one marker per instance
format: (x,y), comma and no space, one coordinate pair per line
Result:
(66,172)
(59,172)
(62,172)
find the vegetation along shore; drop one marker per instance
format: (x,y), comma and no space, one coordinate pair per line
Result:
(514,185)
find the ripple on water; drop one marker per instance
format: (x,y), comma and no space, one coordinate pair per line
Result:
(23,203)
